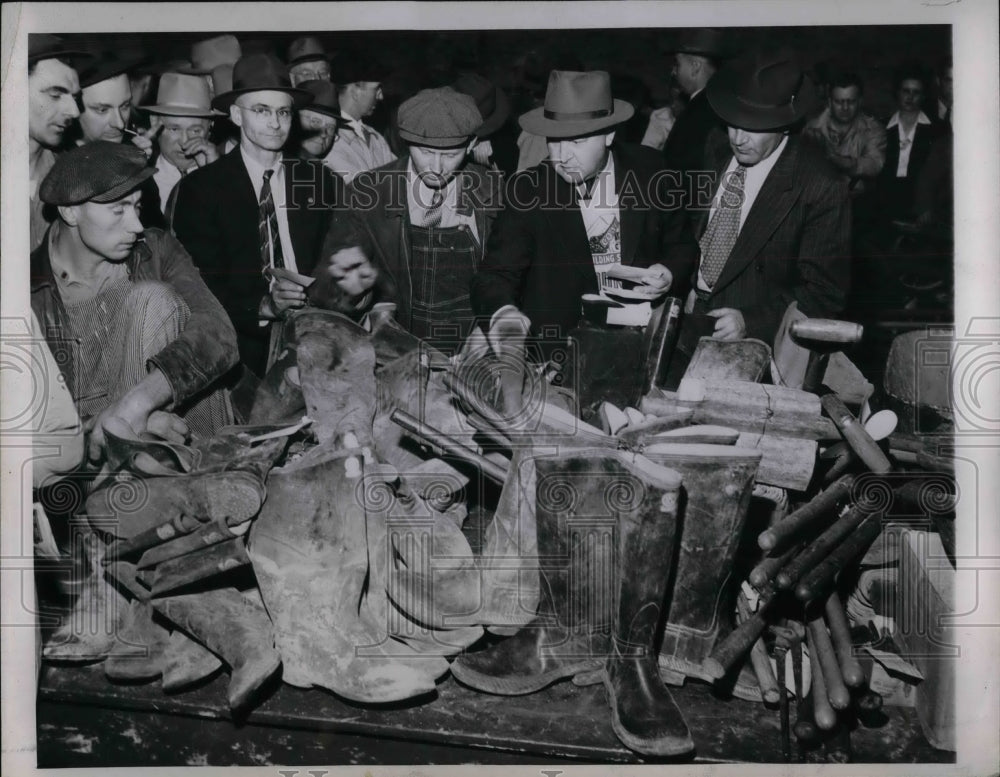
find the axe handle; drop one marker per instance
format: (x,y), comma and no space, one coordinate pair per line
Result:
(820,506)
(836,692)
(826,331)
(840,634)
(736,644)
(857,437)
(449,445)
(823,713)
(817,579)
(819,548)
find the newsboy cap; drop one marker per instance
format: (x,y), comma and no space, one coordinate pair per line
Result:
(94,172)
(441,118)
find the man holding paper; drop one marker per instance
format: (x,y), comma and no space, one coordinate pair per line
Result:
(583,220)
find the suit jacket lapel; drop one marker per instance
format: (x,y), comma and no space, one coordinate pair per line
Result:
(775,198)
(701,220)
(297,211)
(630,218)
(566,222)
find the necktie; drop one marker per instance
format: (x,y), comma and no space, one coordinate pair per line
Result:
(268,226)
(361,132)
(432,217)
(720,236)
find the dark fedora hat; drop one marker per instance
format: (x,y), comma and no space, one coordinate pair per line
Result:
(491,101)
(760,93)
(576,104)
(41,46)
(306,49)
(709,42)
(356,67)
(260,73)
(109,65)
(324,98)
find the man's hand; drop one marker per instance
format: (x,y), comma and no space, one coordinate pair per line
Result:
(657,279)
(482,151)
(286,295)
(200,150)
(168,426)
(729,324)
(353,272)
(134,407)
(508,323)
(144,139)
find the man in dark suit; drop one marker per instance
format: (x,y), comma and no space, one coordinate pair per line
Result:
(697,57)
(589,206)
(778,230)
(251,215)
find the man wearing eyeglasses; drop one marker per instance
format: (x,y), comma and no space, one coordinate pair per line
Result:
(254,214)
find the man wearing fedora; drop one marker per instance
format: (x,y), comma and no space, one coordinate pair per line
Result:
(696,59)
(319,123)
(254,211)
(779,227)
(590,205)
(147,333)
(496,146)
(181,122)
(422,222)
(307,61)
(358,147)
(53,89)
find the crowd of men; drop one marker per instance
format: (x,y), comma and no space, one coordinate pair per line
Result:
(180,211)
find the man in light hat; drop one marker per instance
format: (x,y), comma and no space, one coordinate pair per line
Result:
(778,230)
(590,206)
(181,121)
(213,55)
(255,214)
(53,89)
(149,336)
(358,147)
(422,222)
(307,61)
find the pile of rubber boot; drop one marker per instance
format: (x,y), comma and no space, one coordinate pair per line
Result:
(167,594)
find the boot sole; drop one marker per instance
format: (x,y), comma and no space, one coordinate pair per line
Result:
(518,686)
(638,744)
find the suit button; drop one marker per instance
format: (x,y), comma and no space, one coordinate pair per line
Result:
(759,266)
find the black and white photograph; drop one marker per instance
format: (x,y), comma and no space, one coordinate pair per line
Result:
(524,385)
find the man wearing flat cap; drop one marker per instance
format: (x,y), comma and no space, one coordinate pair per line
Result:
(53,89)
(422,222)
(181,122)
(255,214)
(591,205)
(149,339)
(358,147)
(778,230)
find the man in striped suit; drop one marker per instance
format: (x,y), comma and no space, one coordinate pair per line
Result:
(778,230)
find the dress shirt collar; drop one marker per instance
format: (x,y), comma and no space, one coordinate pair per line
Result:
(921,119)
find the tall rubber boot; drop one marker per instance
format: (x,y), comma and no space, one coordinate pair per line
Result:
(310,553)
(644,715)
(577,498)
(234,625)
(718,483)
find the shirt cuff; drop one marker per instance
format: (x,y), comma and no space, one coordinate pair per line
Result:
(504,309)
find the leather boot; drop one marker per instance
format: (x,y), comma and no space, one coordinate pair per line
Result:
(310,553)
(576,499)
(235,626)
(336,361)
(718,483)
(644,715)
(137,655)
(186,662)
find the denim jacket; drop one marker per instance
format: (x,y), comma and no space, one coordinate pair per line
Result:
(205,350)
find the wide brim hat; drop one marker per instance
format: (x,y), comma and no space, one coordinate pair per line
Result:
(491,100)
(260,73)
(180,94)
(324,98)
(709,42)
(109,66)
(41,46)
(576,104)
(306,49)
(206,55)
(760,93)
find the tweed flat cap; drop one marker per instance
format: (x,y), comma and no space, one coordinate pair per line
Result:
(438,117)
(94,172)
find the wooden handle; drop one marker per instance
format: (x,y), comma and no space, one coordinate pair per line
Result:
(449,445)
(836,692)
(784,533)
(826,330)
(840,635)
(823,713)
(805,727)
(817,580)
(765,673)
(739,641)
(856,435)
(820,548)
(764,572)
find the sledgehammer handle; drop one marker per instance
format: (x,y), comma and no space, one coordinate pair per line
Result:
(826,330)
(860,441)
(787,531)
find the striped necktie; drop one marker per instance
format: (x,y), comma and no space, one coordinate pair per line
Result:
(720,236)
(433,214)
(268,227)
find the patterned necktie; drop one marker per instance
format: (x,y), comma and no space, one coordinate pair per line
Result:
(432,217)
(720,236)
(361,132)
(268,226)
